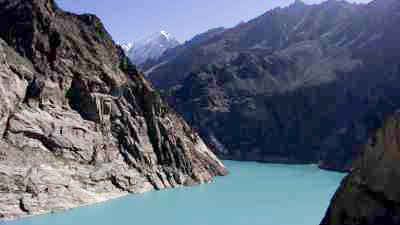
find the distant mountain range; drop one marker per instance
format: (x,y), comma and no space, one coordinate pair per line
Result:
(149,48)
(304,83)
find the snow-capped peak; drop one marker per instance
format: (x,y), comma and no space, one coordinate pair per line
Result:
(157,37)
(151,47)
(165,34)
(126,46)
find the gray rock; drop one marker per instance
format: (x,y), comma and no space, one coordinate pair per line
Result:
(78,123)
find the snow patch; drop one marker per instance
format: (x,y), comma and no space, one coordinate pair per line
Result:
(165,34)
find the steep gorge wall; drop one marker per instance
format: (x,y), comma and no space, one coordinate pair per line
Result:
(370,194)
(78,123)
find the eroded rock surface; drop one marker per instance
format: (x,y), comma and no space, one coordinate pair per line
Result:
(78,123)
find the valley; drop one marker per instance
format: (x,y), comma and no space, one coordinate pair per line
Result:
(299,102)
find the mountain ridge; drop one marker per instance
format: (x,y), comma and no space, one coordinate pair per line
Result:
(263,88)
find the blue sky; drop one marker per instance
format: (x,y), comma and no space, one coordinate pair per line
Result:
(130,20)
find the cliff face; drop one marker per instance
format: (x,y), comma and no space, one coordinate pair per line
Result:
(370,195)
(305,83)
(78,123)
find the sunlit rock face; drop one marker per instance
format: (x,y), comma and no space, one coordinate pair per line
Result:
(78,123)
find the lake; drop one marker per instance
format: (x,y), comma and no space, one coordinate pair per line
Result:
(252,194)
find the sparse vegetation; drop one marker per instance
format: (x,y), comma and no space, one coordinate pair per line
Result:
(126,66)
(100,31)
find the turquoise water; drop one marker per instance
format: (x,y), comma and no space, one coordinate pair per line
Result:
(253,194)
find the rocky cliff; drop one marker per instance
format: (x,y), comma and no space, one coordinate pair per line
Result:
(370,194)
(78,123)
(305,83)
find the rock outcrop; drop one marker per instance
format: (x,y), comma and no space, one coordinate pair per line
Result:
(78,123)
(370,195)
(304,83)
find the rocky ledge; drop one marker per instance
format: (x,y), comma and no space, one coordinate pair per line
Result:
(370,195)
(78,123)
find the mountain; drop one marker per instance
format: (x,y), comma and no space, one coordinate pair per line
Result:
(79,123)
(370,194)
(304,83)
(126,47)
(150,48)
(178,53)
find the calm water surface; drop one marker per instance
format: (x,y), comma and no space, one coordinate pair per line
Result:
(253,194)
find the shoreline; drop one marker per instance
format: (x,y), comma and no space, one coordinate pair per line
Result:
(288,162)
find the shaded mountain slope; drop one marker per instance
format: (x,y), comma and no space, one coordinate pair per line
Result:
(305,83)
(370,194)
